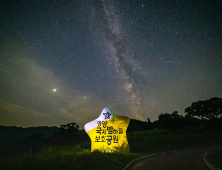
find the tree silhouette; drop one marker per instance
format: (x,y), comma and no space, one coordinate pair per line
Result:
(165,120)
(171,121)
(209,109)
(66,132)
(175,115)
(148,120)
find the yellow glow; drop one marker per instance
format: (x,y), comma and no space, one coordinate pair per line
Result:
(54,90)
(110,135)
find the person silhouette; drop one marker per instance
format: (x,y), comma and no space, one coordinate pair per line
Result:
(108,132)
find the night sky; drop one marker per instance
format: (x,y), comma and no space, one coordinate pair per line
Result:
(64,61)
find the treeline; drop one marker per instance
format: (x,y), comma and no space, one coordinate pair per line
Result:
(206,113)
(10,133)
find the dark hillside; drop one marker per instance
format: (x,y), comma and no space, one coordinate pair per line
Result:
(10,133)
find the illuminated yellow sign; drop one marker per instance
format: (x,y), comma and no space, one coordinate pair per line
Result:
(108,132)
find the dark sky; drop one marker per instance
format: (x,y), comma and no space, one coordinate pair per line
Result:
(64,61)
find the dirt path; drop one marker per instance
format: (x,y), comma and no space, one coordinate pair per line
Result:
(186,160)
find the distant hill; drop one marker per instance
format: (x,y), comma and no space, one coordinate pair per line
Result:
(10,133)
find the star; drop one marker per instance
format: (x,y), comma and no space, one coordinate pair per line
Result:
(107,115)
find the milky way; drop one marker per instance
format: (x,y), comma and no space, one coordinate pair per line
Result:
(117,47)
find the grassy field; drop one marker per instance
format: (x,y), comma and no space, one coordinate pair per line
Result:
(166,140)
(60,158)
(37,155)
